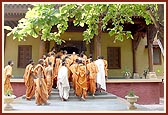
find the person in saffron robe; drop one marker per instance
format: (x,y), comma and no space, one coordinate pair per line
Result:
(74,68)
(68,63)
(93,70)
(105,67)
(100,79)
(45,60)
(52,59)
(81,84)
(41,92)
(49,77)
(7,76)
(56,68)
(29,80)
(63,83)
(65,53)
(73,57)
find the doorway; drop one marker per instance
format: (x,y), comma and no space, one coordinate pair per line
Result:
(70,50)
(72,46)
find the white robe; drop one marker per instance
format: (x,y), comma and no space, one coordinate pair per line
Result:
(100,79)
(63,83)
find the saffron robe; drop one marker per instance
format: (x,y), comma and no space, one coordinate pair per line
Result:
(93,70)
(41,92)
(74,68)
(105,67)
(81,84)
(7,76)
(29,81)
(55,71)
(49,78)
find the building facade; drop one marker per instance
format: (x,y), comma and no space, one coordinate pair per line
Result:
(134,54)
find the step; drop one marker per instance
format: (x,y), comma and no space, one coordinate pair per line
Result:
(98,95)
(107,96)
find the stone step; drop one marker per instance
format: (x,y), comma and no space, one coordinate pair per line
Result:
(98,95)
(71,92)
(107,96)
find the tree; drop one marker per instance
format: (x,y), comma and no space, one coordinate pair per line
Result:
(159,24)
(41,18)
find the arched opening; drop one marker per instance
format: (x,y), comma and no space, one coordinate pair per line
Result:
(70,50)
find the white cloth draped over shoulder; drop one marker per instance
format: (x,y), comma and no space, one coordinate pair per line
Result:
(100,79)
(63,83)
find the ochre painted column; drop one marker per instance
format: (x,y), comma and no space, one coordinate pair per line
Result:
(150,50)
(134,57)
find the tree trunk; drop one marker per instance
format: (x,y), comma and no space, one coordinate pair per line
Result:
(150,38)
(98,38)
(157,24)
(42,48)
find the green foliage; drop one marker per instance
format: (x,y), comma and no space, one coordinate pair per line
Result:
(131,93)
(126,72)
(40,20)
(8,92)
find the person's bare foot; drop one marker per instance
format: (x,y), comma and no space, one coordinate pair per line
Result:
(28,99)
(46,103)
(38,104)
(83,99)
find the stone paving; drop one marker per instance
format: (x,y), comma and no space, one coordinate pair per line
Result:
(118,105)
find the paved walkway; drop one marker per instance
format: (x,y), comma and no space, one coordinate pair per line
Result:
(118,105)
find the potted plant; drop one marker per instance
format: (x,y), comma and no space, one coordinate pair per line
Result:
(126,73)
(131,98)
(145,72)
(8,99)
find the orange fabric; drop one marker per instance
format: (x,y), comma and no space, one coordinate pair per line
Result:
(68,64)
(63,56)
(59,53)
(81,84)
(41,92)
(55,72)
(7,76)
(52,60)
(29,81)
(45,62)
(105,67)
(49,77)
(73,69)
(92,77)
(73,57)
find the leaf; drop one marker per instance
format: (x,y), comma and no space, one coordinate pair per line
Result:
(9,33)
(112,32)
(82,24)
(7,28)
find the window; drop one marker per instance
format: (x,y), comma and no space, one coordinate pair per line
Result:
(24,55)
(114,57)
(156,56)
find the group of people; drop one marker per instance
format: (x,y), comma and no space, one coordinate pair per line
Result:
(57,70)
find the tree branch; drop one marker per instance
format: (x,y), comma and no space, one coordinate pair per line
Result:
(158,27)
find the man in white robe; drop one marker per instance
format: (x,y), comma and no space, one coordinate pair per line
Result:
(63,83)
(101,82)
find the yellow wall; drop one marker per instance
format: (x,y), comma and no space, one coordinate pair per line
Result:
(126,53)
(11,52)
(142,59)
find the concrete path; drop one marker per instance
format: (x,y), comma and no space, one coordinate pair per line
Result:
(117,105)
